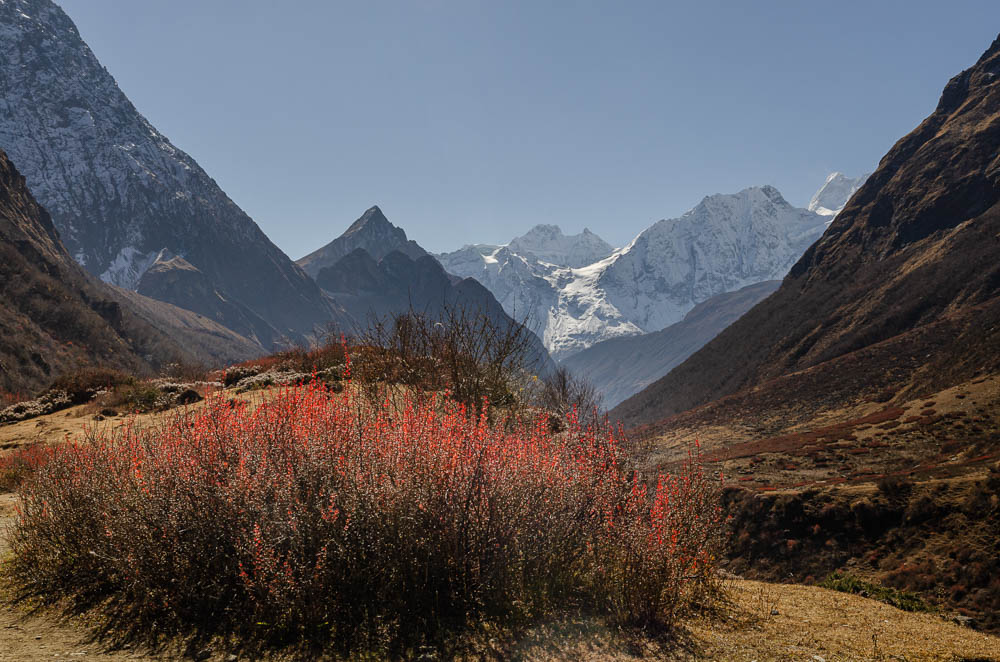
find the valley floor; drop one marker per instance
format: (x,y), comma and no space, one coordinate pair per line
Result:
(762,621)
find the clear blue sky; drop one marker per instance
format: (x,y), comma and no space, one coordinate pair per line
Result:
(471,121)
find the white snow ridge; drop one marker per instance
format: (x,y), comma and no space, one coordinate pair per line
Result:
(722,245)
(834,194)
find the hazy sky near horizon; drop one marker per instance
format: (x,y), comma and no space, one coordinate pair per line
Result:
(472,121)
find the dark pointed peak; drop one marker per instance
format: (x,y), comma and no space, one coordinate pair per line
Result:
(371,219)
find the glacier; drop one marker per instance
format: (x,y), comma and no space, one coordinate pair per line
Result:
(575,291)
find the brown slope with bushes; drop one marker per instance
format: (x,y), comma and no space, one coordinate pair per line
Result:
(914,251)
(54,317)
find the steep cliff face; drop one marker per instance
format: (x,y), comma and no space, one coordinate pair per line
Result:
(373,271)
(55,317)
(907,273)
(118,191)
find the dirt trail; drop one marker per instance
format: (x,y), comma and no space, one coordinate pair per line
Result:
(27,638)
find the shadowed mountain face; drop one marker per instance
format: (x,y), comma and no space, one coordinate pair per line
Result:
(119,192)
(366,286)
(621,367)
(372,232)
(369,289)
(55,317)
(174,280)
(906,278)
(374,272)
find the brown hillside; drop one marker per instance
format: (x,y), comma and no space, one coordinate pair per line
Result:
(54,317)
(914,252)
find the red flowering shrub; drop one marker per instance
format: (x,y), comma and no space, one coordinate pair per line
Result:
(315,516)
(16,465)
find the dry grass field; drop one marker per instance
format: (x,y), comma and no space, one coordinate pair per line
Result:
(758,620)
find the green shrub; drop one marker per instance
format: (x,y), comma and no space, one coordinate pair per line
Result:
(846,583)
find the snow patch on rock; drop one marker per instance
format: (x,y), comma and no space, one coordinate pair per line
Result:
(833,195)
(128,267)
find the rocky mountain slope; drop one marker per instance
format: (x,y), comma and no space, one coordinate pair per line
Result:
(900,296)
(725,243)
(55,317)
(173,279)
(382,273)
(621,367)
(372,232)
(119,192)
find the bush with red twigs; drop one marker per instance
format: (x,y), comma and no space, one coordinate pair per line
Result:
(7,398)
(18,464)
(318,517)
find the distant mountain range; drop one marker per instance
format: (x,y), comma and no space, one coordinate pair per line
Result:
(577,291)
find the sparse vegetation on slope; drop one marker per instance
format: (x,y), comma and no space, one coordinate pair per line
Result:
(903,288)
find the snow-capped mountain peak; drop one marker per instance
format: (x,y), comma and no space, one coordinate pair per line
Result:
(547,243)
(834,194)
(726,242)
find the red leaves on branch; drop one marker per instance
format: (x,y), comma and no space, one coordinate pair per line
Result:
(317,512)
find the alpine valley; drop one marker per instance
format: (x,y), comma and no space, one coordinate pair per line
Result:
(140,214)
(377,451)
